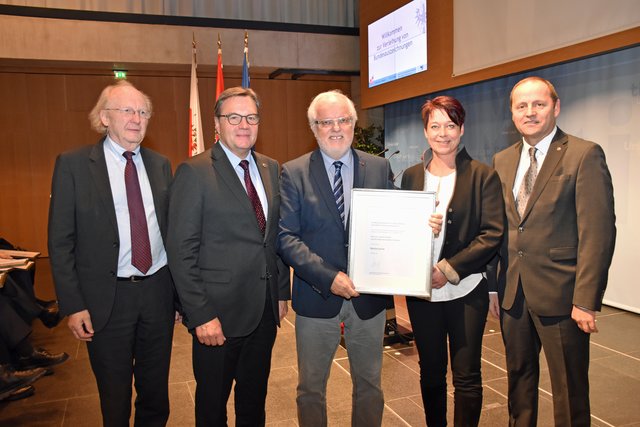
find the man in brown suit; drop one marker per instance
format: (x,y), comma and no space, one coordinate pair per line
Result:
(561,234)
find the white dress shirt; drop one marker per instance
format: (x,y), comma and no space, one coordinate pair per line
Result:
(115,167)
(253,172)
(542,148)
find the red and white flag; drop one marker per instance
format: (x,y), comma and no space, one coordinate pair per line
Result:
(219,76)
(196,142)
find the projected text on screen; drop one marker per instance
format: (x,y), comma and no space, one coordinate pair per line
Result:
(398,44)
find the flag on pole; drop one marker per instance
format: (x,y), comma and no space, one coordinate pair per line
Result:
(246,81)
(219,79)
(219,75)
(196,142)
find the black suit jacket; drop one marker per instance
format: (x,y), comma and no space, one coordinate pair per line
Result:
(220,262)
(312,238)
(475,215)
(83,229)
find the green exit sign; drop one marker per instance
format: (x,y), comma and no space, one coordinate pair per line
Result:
(120,74)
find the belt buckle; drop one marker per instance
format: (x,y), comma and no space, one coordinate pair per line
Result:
(135,279)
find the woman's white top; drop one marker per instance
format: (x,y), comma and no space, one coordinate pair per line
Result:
(444,186)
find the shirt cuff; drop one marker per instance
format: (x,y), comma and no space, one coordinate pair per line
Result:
(448,271)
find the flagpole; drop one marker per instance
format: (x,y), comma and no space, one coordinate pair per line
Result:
(246,80)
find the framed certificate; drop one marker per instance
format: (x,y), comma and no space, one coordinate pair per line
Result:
(390,241)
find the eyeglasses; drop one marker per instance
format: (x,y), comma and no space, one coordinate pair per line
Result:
(343,122)
(130,112)
(235,119)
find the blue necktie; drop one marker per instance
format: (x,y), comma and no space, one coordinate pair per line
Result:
(338,191)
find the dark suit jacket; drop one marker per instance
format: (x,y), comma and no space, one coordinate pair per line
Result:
(474,216)
(312,238)
(83,230)
(562,248)
(220,262)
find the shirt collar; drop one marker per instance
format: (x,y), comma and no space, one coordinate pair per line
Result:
(347,159)
(117,149)
(235,160)
(543,145)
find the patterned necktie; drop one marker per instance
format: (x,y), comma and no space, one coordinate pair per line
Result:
(527,182)
(338,190)
(253,196)
(140,245)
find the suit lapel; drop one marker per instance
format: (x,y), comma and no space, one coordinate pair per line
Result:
(321,179)
(227,173)
(154,173)
(557,148)
(359,171)
(100,176)
(511,168)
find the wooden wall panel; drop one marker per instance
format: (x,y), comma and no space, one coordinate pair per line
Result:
(45,112)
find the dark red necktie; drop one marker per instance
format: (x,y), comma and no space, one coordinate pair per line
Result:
(140,245)
(253,196)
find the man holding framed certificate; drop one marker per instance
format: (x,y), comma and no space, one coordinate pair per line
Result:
(313,239)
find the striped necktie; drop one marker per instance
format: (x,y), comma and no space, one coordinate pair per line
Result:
(338,190)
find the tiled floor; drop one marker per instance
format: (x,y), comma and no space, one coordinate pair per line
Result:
(69,398)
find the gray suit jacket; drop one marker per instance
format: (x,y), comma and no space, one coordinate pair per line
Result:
(83,230)
(562,247)
(221,264)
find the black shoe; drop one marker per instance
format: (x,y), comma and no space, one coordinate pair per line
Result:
(40,358)
(50,316)
(20,393)
(12,381)
(27,373)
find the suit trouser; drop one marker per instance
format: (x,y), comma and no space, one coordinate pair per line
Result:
(247,360)
(23,301)
(317,341)
(136,342)
(566,349)
(13,329)
(462,321)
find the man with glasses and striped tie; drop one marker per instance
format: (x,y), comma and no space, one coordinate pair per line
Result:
(313,239)
(107,224)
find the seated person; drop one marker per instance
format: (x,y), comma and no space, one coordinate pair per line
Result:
(20,363)
(19,287)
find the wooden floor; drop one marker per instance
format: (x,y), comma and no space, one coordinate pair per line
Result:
(69,397)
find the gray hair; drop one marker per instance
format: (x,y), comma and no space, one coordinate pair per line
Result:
(103,100)
(325,96)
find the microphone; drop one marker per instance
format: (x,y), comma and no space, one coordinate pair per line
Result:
(382,152)
(396,176)
(393,154)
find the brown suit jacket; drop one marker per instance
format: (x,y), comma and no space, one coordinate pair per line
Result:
(562,247)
